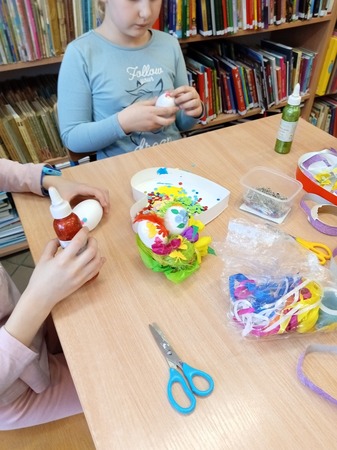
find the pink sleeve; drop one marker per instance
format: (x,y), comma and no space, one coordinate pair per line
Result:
(14,358)
(16,177)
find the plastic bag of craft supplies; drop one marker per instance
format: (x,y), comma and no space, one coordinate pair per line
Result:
(273,286)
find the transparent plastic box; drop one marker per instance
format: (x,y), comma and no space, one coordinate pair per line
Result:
(268,192)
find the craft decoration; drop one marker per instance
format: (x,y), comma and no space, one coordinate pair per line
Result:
(168,236)
(204,198)
(277,307)
(275,285)
(317,171)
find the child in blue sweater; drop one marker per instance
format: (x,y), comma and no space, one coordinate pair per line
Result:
(110,79)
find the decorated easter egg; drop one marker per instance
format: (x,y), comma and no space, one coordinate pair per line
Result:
(148,233)
(176,219)
(165,100)
(90,213)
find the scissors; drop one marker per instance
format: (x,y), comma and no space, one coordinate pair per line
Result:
(322,251)
(189,373)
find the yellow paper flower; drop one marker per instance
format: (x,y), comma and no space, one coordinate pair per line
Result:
(197,223)
(323,178)
(183,245)
(177,255)
(201,247)
(153,230)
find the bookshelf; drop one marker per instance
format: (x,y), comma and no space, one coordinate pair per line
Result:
(313,33)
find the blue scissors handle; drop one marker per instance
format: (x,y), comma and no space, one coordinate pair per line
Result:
(190,373)
(176,377)
(189,388)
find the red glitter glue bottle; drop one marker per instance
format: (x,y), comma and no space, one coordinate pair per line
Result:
(66,223)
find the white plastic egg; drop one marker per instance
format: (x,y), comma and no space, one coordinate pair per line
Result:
(90,213)
(148,233)
(176,219)
(165,100)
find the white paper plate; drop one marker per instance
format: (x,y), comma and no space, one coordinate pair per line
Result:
(199,189)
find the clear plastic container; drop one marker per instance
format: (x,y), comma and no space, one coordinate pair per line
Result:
(268,192)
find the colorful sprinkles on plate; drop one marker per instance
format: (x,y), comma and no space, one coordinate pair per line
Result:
(167,191)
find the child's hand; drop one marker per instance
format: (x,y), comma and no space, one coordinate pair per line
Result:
(188,100)
(57,275)
(72,190)
(145,116)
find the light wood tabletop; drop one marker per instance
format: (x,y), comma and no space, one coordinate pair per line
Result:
(120,374)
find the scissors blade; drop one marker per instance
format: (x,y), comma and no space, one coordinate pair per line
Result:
(170,355)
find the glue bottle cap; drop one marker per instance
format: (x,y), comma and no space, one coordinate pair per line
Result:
(295,98)
(59,208)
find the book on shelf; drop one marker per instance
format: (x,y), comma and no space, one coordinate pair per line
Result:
(327,66)
(77,13)
(9,32)
(254,58)
(27,42)
(177,31)
(287,52)
(70,23)
(232,69)
(26,131)
(320,109)
(28,5)
(324,114)
(316,8)
(87,15)
(207,93)
(11,136)
(28,125)
(281,73)
(21,123)
(35,29)
(38,30)
(297,56)
(227,103)
(3,149)
(332,102)
(209,67)
(193,17)
(304,9)
(272,77)
(18,38)
(42,147)
(332,85)
(52,14)
(44,113)
(308,61)
(11,230)
(203,22)
(185,19)
(47,26)
(198,82)
(60,5)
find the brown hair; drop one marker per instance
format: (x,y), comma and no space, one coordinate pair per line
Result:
(100,6)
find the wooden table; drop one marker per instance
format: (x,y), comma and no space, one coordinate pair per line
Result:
(118,370)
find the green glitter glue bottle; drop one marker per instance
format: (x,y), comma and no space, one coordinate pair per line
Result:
(290,115)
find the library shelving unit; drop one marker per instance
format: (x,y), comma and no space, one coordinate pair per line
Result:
(313,34)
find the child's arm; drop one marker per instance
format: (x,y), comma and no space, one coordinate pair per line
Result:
(56,276)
